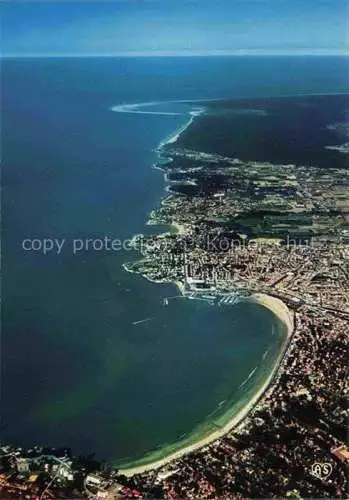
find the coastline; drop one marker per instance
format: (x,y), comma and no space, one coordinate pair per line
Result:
(276,306)
(172,139)
(282,312)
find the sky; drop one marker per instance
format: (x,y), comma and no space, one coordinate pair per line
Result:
(174,27)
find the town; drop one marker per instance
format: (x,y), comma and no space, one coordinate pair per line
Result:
(241,229)
(236,236)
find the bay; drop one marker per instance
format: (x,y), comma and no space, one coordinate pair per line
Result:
(76,370)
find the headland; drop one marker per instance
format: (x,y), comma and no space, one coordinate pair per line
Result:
(257,229)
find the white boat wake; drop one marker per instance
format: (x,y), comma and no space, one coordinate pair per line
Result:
(265,354)
(248,378)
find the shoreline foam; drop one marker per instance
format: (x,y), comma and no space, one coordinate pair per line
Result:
(281,311)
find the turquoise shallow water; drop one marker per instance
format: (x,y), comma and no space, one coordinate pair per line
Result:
(76,371)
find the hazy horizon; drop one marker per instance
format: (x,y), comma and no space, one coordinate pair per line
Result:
(175,28)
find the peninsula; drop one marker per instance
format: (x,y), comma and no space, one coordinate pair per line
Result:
(277,233)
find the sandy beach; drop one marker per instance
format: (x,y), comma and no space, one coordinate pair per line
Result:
(285,316)
(278,307)
(175,136)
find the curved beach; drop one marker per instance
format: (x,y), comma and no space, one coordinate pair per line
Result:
(285,316)
(278,307)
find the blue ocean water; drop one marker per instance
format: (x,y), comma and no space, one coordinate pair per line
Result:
(76,371)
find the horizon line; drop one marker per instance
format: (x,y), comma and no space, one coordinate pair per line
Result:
(182,54)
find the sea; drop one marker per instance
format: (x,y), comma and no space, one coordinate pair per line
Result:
(80,367)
